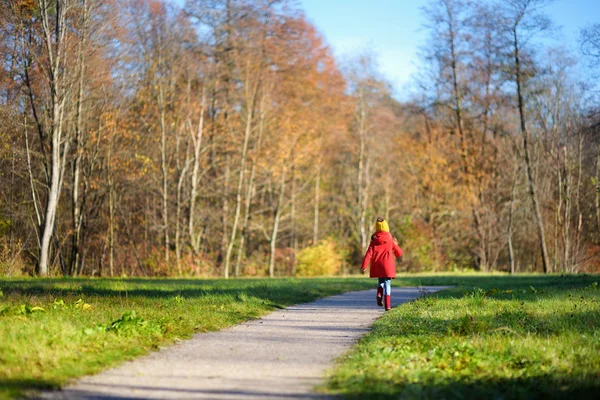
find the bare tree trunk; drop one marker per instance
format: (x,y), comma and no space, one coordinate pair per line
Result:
(76,201)
(197,143)
(558,218)
(365,203)
(456,91)
(529,169)
(316,212)
(487,243)
(293,238)
(575,252)
(244,233)
(567,213)
(165,172)
(225,210)
(34,195)
(58,146)
(511,254)
(274,232)
(458,111)
(250,189)
(238,201)
(111,208)
(12,203)
(111,225)
(179,201)
(362,121)
(597,194)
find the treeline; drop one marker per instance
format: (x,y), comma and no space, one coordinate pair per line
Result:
(223,138)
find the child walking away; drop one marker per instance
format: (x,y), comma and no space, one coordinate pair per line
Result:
(381,254)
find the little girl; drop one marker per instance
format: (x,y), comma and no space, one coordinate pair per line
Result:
(380,255)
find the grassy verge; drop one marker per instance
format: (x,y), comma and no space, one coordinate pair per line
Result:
(490,337)
(52,330)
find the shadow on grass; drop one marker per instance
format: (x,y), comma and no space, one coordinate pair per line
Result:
(517,323)
(161,392)
(500,281)
(14,388)
(263,288)
(539,387)
(528,288)
(280,291)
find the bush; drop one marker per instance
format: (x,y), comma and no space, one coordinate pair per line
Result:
(417,243)
(323,258)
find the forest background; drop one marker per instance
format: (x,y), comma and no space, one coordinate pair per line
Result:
(222,138)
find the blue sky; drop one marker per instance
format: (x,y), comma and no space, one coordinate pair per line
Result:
(393,30)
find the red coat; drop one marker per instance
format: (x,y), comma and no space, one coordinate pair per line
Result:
(380,255)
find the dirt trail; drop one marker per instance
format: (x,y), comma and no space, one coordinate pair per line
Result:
(283,355)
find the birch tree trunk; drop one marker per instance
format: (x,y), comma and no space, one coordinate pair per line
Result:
(54,40)
(238,198)
(274,232)
(197,143)
(511,213)
(178,204)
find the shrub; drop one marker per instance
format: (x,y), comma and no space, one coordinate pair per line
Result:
(323,258)
(419,252)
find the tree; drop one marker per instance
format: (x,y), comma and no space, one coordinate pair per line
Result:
(368,92)
(590,43)
(55,44)
(523,21)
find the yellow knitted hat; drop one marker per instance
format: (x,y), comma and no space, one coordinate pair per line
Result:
(381,225)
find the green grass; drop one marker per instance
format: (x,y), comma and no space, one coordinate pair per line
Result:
(490,337)
(52,330)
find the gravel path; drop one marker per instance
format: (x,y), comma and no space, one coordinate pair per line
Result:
(283,355)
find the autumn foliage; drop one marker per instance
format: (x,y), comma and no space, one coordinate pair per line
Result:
(224,139)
